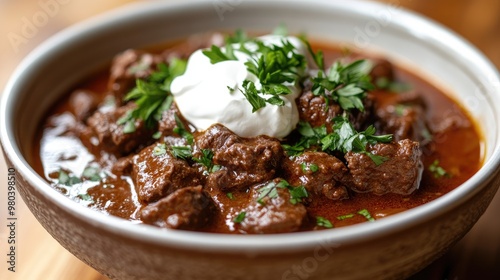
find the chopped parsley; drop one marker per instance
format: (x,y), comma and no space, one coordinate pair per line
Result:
(85,197)
(182,152)
(344,138)
(206,159)
(297,194)
(67,180)
(344,217)
(240,217)
(365,213)
(270,190)
(345,84)
(274,66)
(309,167)
(230,195)
(92,173)
(323,222)
(160,150)
(437,170)
(152,95)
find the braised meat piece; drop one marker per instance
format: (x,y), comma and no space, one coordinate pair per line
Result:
(315,110)
(110,135)
(403,115)
(188,208)
(400,173)
(245,161)
(167,122)
(156,173)
(272,213)
(82,103)
(129,66)
(320,173)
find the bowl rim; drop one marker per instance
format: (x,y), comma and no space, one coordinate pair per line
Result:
(244,243)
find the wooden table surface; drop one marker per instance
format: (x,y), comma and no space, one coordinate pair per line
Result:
(476,256)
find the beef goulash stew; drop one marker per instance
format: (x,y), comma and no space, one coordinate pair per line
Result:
(271,134)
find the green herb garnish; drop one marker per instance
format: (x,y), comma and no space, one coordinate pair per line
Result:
(65,179)
(345,138)
(345,84)
(270,190)
(151,95)
(182,152)
(343,217)
(206,159)
(92,173)
(160,149)
(230,195)
(365,213)
(437,170)
(240,217)
(309,167)
(273,65)
(323,222)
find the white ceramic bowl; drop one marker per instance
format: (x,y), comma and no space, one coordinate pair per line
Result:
(393,247)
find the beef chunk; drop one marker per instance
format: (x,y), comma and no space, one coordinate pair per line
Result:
(167,122)
(314,110)
(82,103)
(320,173)
(158,174)
(129,66)
(245,161)
(382,68)
(400,174)
(274,214)
(188,208)
(403,115)
(110,135)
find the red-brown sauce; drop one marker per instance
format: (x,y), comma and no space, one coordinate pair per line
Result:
(457,146)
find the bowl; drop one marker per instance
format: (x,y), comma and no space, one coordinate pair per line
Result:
(393,247)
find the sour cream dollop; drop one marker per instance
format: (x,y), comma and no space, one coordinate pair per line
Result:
(203,97)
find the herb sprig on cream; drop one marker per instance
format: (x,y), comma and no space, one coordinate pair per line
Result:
(275,65)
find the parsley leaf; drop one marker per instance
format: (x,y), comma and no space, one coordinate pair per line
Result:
(323,222)
(91,173)
(297,194)
(365,213)
(345,84)
(345,138)
(437,170)
(152,95)
(160,150)
(270,190)
(216,55)
(240,217)
(182,152)
(206,160)
(273,65)
(67,180)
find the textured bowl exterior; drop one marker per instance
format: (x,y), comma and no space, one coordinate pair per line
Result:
(391,248)
(393,256)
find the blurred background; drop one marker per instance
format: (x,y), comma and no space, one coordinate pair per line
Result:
(39,256)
